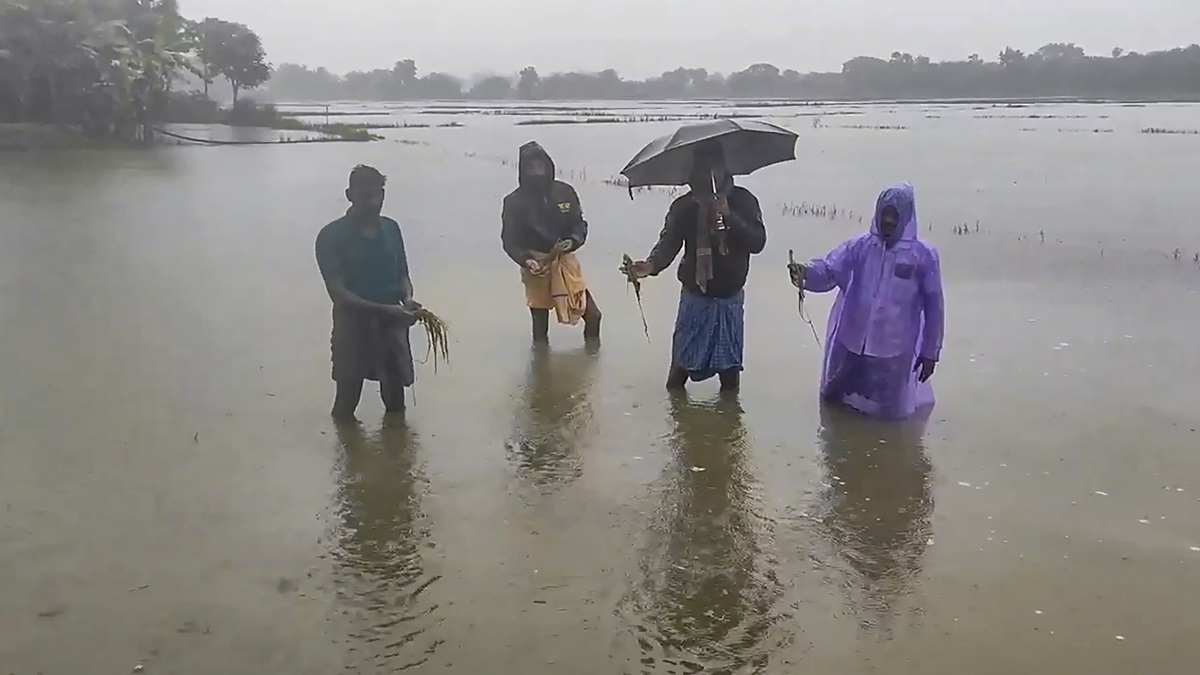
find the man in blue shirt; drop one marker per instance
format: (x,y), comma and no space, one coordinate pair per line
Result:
(362,259)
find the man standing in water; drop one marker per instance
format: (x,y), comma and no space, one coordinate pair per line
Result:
(886,327)
(362,259)
(718,226)
(542,227)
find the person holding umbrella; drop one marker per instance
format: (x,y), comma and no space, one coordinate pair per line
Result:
(719,226)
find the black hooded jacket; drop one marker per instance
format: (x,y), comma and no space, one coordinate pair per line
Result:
(541,212)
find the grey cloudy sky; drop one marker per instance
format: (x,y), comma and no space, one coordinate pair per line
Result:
(645,37)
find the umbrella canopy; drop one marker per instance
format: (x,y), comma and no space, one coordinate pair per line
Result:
(749,145)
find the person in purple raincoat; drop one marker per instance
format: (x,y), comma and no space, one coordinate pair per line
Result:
(885,330)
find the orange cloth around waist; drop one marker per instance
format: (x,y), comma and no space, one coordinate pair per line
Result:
(561,288)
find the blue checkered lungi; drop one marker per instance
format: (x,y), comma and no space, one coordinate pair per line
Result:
(710,334)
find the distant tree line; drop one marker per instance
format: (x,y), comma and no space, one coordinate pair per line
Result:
(1055,70)
(112,67)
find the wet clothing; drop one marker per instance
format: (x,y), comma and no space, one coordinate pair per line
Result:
(541,212)
(710,327)
(709,335)
(889,312)
(372,269)
(364,344)
(562,289)
(746,236)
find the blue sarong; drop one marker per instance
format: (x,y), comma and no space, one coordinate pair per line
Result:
(709,335)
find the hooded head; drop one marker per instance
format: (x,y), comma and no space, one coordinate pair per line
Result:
(534,167)
(896,214)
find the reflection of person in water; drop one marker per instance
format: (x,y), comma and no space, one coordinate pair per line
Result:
(878,504)
(555,414)
(708,595)
(379,569)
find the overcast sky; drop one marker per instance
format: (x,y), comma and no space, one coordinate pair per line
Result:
(647,37)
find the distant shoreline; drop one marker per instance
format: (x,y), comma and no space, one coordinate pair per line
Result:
(740,102)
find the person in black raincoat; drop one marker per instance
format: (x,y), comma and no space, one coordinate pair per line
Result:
(542,227)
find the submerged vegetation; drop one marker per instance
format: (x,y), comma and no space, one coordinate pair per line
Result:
(1053,70)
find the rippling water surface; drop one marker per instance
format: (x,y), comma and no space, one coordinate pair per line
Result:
(175,496)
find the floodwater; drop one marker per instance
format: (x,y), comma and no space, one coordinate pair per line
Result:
(174,495)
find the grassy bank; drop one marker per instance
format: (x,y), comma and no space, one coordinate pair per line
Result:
(248,113)
(346,132)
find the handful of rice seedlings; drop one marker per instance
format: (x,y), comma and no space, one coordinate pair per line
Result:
(437,333)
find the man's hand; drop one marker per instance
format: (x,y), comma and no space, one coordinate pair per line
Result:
(797,271)
(412,306)
(924,369)
(639,270)
(721,205)
(399,312)
(563,246)
(535,266)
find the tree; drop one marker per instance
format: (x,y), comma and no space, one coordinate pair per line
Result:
(405,73)
(1057,69)
(492,88)
(234,51)
(438,86)
(211,36)
(102,65)
(1011,57)
(527,86)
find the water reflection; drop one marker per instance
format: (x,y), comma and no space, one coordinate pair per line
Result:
(706,602)
(381,538)
(876,507)
(555,416)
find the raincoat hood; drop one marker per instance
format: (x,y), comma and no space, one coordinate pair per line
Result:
(529,152)
(903,198)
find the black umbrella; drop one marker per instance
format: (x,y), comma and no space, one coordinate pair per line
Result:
(749,145)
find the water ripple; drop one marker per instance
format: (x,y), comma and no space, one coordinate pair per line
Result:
(382,539)
(709,598)
(554,417)
(875,511)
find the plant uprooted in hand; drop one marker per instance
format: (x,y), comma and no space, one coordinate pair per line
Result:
(797,273)
(627,267)
(437,332)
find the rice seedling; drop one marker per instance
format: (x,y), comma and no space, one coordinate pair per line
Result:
(806,210)
(437,333)
(873,127)
(797,274)
(627,268)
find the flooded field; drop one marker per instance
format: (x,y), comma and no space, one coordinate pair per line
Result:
(175,496)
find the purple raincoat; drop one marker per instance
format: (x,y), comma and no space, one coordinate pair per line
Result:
(889,311)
